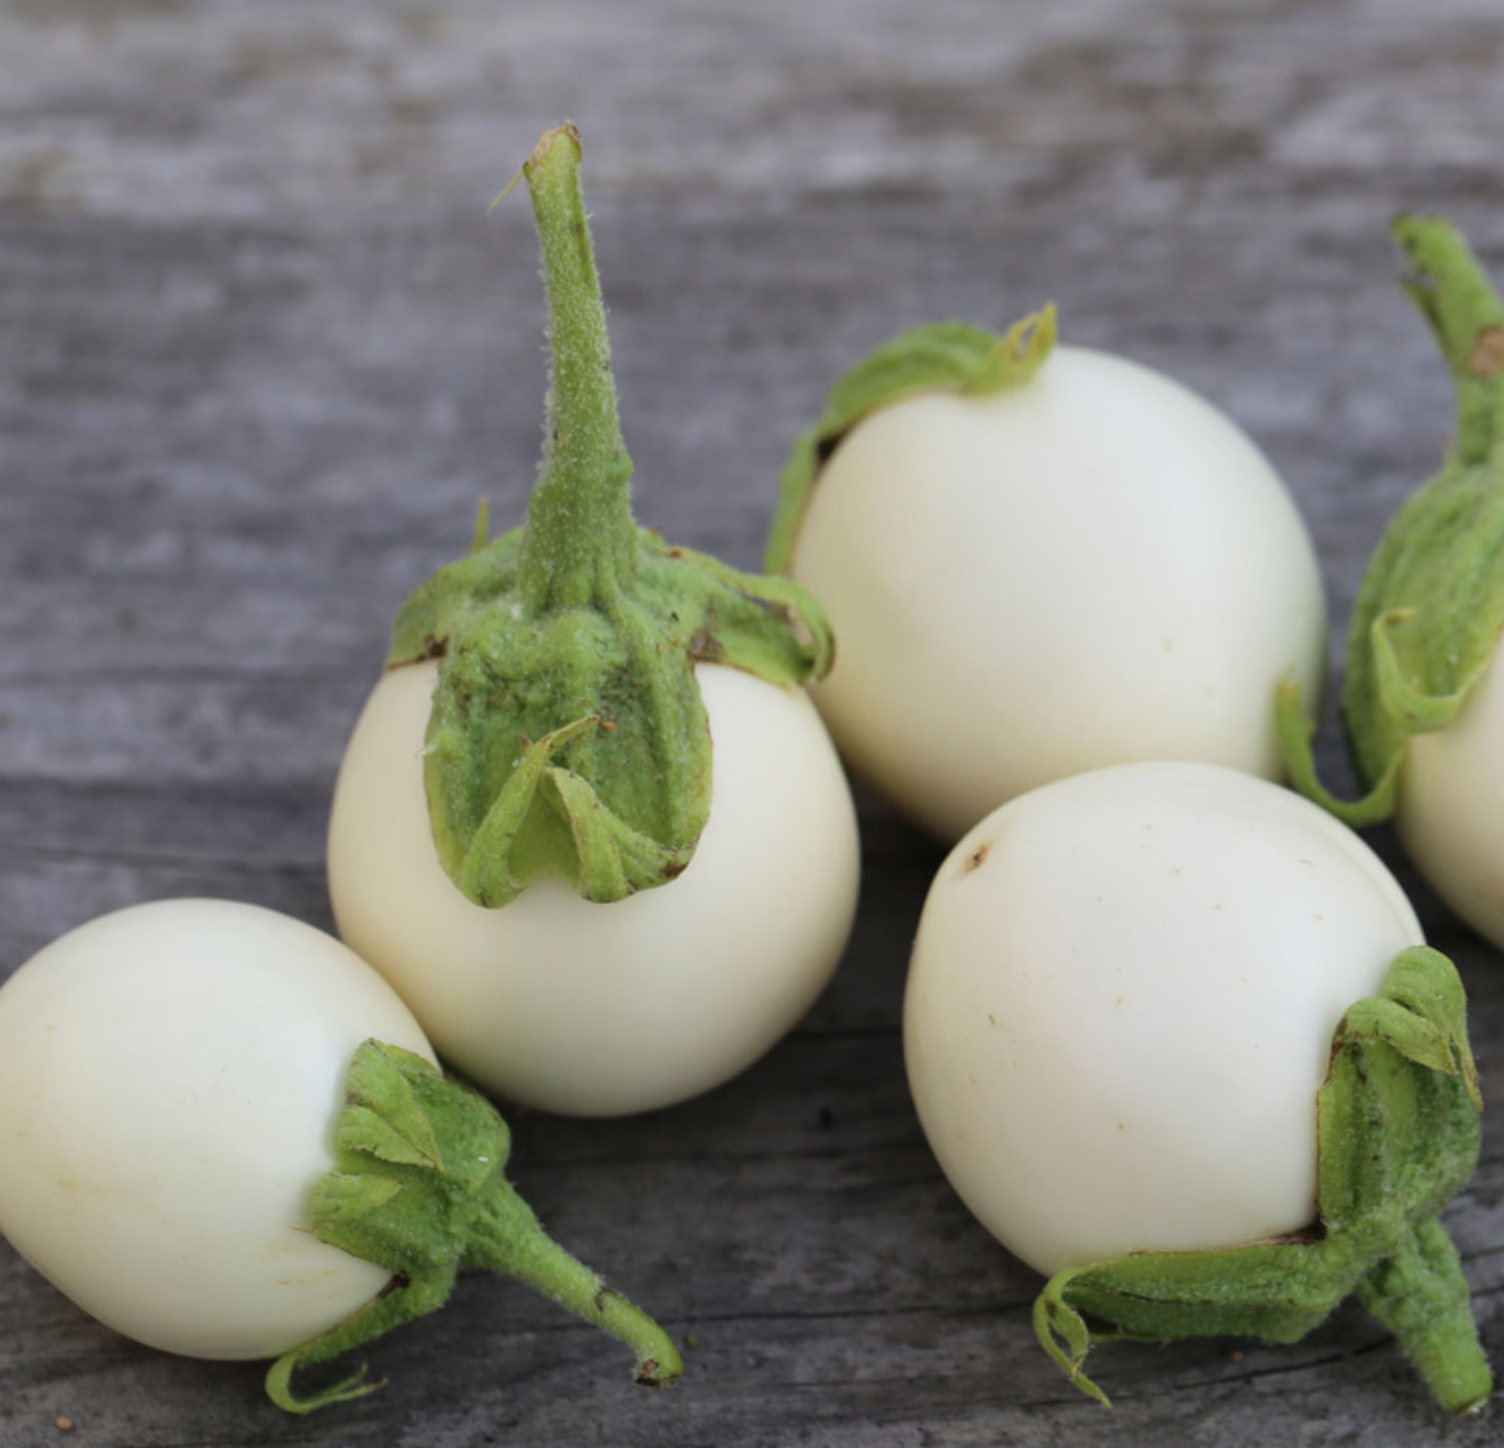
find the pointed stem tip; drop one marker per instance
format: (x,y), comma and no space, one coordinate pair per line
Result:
(509,1239)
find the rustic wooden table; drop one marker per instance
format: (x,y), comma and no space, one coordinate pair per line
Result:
(261,351)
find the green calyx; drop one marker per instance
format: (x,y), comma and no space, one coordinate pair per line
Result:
(1430,611)
(941,357)
(418,1188)
(567,735)
(1398,1132)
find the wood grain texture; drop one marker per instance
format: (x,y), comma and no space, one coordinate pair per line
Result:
(261,352)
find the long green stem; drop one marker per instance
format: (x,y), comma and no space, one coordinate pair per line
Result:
(507,1238)
(580,539)
(1421,1296)
(1466,315)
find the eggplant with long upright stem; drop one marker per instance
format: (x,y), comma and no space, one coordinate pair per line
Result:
(588,908)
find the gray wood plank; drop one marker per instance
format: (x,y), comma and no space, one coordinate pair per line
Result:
(261,353)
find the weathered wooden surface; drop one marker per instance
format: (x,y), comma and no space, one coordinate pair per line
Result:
(261,350)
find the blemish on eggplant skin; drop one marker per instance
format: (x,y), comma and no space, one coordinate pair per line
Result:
(975,858)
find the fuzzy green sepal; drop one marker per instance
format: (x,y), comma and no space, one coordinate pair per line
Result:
(939,357)
(418,1188)
(574,741)
(1429,613)
(567,735)
(1398,1135)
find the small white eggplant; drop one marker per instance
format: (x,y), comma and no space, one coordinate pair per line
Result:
(223,1135)
(528,836)
(598,1010)
(1174,1037)
(1040,560)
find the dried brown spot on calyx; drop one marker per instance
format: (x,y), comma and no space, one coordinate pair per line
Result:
(705,648)
(1486,359)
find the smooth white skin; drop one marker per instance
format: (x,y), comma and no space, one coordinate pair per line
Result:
(1116,1024)
(170,1076)
(1451,807)
(1093,568)
(599,1010)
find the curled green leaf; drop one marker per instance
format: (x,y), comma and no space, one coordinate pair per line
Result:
(1398,1127)
(1296,737)
(1430,611)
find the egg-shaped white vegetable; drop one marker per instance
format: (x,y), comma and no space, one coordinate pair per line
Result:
(170,1076)
(1121,1007)
(603,1009)
(1450,812)
(1092,567)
